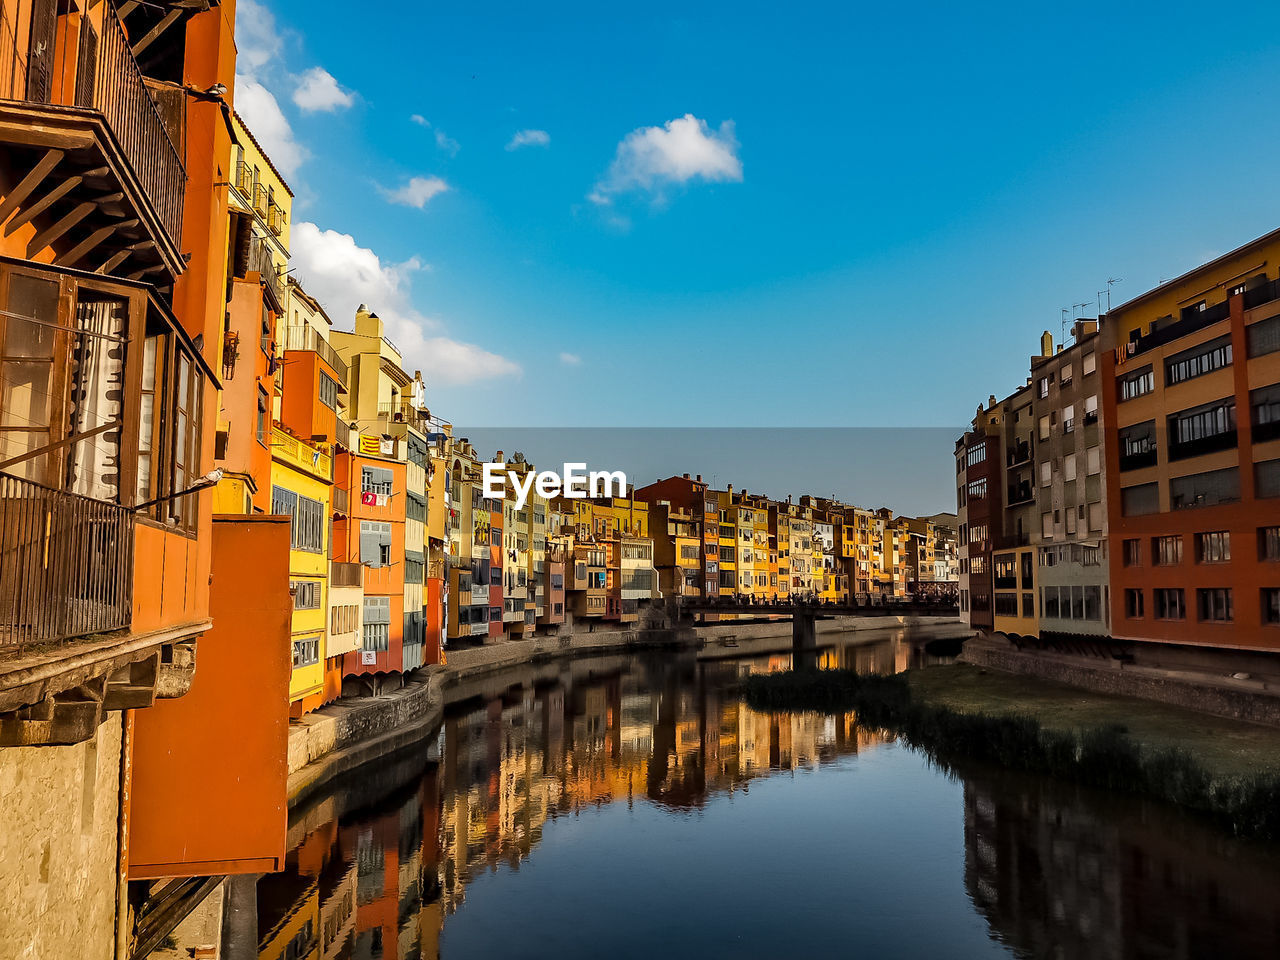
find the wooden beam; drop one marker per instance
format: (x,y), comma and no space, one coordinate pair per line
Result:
(73,256)
(52,233)
(139,274)
(165,22)
(126,8)
(29,183)
(121,255)
(40,206)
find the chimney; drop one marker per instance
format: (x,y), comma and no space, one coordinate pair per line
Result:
(699,477)
(686,476)
(730,488)
(991,401)
(1046,344)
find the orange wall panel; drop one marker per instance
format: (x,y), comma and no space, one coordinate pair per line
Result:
(209,781)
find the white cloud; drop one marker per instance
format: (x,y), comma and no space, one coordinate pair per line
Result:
(318,90)
(529,138)
(570,359)
(263,116)
(419,119)
(417,192)
(341,274)
(446,143)
(257,39)
(651,158)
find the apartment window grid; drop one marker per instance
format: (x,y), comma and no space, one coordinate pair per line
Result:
(1271,605)
(306,529)
(1166,551)
(377,624)
(1264,337)
(1137,384)
(1132,553)
(1213,547)
(1213,605)
(306,651)
(1169,603)
(1269,543)
(328,391)
(1198,361)
(375,543)
(1133,604)
(376,480)
(306,594)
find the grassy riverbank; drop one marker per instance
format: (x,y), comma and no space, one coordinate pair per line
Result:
(1224,769)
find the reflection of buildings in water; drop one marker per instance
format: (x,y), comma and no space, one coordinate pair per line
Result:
(1061,871)
(380,882)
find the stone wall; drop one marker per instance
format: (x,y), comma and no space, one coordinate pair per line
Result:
(1220,696)
(58,835)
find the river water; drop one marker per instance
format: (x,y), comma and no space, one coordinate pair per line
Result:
(630,806)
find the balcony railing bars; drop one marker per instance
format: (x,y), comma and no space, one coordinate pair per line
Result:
(66,564)
(307,338)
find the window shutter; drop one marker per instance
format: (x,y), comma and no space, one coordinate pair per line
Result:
(370,552)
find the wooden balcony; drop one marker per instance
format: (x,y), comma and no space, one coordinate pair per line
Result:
(92,165)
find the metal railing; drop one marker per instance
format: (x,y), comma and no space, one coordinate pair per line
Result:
(116,90)
(402,411)
(308,338)
(131,112)
(261,262)
(66,564)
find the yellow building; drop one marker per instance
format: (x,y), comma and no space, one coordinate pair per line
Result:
(301,485)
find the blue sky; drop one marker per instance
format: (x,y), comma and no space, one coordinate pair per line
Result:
(869,218)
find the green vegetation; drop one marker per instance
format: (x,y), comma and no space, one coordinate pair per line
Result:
(1105,756)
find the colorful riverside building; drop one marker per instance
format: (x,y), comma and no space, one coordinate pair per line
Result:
(1190,375)
(128,734)
(386,469)
(692,497)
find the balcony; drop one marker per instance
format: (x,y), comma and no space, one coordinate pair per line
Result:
(345,574)
(1136,461)
(1191,321)
(402,411)
(277,219)
(67,567)
(1020,453)
(308,338)
(300,454)
(1263,293)
(92,154)
(1202,445)
(1019,494)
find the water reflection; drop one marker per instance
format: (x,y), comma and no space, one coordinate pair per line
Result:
(383,866)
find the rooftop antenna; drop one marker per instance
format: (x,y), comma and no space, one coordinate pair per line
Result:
(1110,281)
(1064,325)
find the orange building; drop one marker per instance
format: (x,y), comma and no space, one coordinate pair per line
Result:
(1193,463)
(372,534)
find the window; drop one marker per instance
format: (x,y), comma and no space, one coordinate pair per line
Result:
(1006,604)
(1266,478)
(377,624)
(306,651)
(978,489)
(1028,604)
(1097,514)
(1214,547)
(1044,428)
(1205,489)
(1133,553)
(1138,445)
(1202,429)
(376,480)
(1064,375)
(1043,387)
(1264,412)
(306,594)
(976,454)
(1137,383)
(328,391)
(1198,361)
(1089,363)
(1133,604)
(1069,467)
(1169,604)
(1269,543)
(1140,500)
(1046,525)
(1271,605)
(1046,474)
(1068,418)
(375,543)
(1213,605)
(1166,551)
(1005,572)
(261,427)
(1263,337)
(1049,602)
